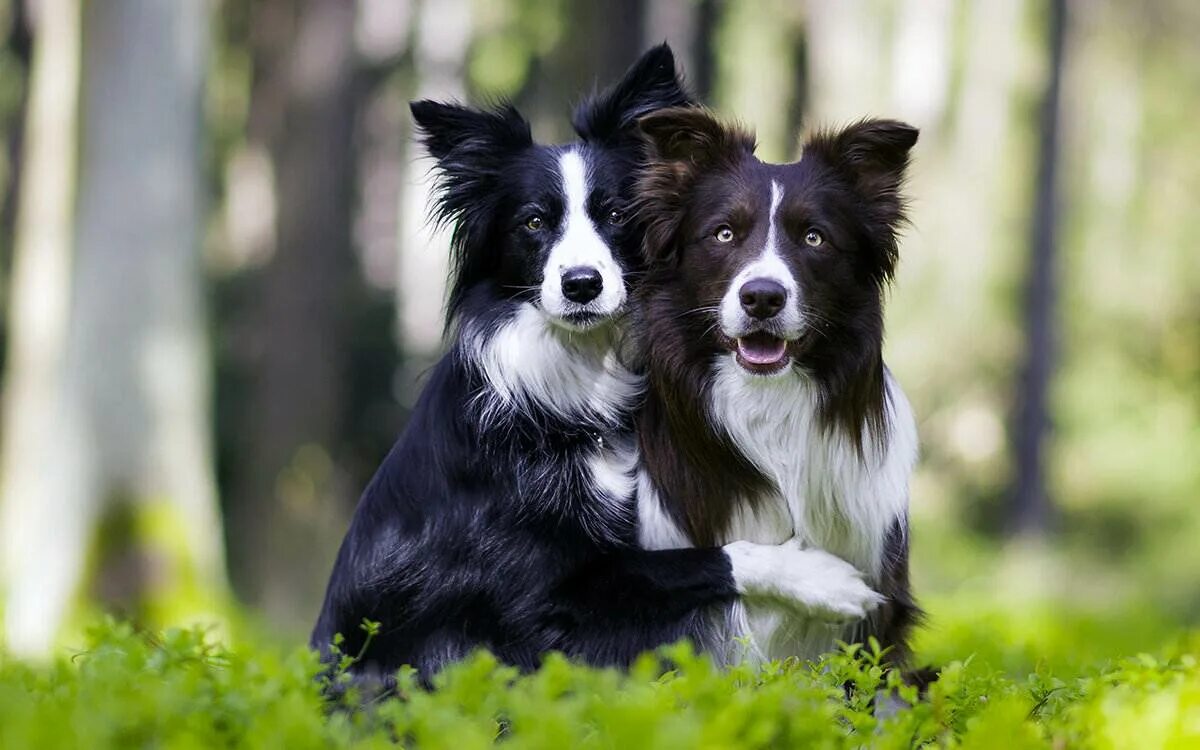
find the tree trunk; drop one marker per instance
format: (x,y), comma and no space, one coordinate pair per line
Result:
(921,64)
(1031,507)
(127,433)
(848,76)
(285,518)
(20,48)
(38,582)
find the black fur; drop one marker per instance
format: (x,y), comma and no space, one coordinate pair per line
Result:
(703,175)
(483,527)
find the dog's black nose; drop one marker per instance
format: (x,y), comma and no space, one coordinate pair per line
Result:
(762,298)
(581,284)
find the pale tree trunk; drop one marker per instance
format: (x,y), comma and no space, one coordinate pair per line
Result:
(847,77)
(852,78)
(442,32)
(130,429)
(921,65)
(38,582)
(285,520)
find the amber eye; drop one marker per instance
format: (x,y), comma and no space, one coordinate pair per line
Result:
(616,216)
(724,233)
(534,223)
(814,238)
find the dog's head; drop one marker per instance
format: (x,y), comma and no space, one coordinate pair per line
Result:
(781,265)
(547,225)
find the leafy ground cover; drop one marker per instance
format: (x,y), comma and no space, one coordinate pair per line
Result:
(183,689)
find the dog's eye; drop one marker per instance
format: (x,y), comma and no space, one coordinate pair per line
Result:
(616,216)
(534,223)
(814,238)
(724,233)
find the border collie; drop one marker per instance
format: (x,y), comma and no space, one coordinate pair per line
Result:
(504,516)
(769,412)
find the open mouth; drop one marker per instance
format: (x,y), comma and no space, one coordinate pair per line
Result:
(760,352)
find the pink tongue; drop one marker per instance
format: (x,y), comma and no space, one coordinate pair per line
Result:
(761,350)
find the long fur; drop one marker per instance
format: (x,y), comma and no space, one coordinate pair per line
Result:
(820,448)
(503,517)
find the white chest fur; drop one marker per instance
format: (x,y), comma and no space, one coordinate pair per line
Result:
(827,494)
(528,360)
(824,492)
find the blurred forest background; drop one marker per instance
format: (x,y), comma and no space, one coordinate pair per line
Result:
(219,291)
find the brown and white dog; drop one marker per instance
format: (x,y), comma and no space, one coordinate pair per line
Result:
(769,413)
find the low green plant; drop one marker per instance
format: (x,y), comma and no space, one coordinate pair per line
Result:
(183,689)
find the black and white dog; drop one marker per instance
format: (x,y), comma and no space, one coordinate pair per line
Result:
(770,414)
(504,516)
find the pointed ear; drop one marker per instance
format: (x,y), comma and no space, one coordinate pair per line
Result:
(873,153)
(873,156)
(472,148)
(448,128)
(652,83)
(693,135)
(681,144)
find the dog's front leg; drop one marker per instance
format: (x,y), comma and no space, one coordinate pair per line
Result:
(812,582)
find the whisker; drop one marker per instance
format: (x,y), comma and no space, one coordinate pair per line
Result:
(711,328)
(697,311)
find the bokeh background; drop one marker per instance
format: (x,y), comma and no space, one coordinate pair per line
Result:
(219,289)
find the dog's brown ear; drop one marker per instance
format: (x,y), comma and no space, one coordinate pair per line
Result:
(876,145)
(873,156)
(873,153)
(692,135)
(681,144)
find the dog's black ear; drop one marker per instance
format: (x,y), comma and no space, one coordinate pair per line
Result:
(681,144)
(873,155)
(473,149)
(652,83)
(447,129)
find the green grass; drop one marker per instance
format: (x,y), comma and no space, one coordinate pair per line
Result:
(182,689)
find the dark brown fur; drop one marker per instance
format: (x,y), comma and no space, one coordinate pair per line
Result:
(702,174)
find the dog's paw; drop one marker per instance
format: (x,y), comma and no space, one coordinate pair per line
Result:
(816,583)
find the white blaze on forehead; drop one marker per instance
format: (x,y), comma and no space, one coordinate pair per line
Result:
(773,218)
(768,265)
(575,184)
(580,244)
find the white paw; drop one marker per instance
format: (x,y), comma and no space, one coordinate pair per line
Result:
(815,582)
